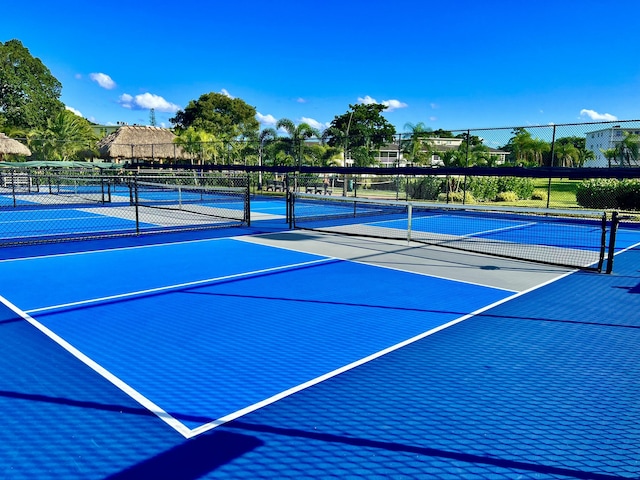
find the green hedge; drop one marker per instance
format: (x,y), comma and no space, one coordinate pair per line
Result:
(488,188)
(481,188)
(609,193)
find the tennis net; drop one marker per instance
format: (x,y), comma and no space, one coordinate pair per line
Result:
(576,239)
(187,201)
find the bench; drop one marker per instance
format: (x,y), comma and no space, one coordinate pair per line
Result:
(275,186)
(16,180)
(318,189)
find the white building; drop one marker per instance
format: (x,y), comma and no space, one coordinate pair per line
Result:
(391,155)
(606,139)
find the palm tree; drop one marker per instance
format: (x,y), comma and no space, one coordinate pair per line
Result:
(628,149)
(199,143)
(611,154)
(65,136)
(584,155)
(415,143)
(567,154)
(297,134)
(267,135)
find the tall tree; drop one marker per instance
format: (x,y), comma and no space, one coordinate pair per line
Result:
(29,93)
(362,126)
(226,118)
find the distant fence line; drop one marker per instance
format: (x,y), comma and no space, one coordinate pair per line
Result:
(573,145)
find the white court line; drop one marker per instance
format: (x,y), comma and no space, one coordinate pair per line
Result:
(503,229)
(176,286)
(39,220)
(114,249)
(176,424)
(251,408)
(137,396)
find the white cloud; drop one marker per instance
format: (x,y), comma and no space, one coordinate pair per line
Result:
(126,101)
(390,104)
(147,101)
(593,115)
(394,105)
(266,119)
(367,100)
(434,105)
(314,123)
(103,80)
(226,93)
(71,109)
(301,100)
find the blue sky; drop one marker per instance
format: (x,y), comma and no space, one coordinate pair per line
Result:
(451,65)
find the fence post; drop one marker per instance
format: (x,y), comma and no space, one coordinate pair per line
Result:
(398,166)
(553,147)
(135,200)
(466,164)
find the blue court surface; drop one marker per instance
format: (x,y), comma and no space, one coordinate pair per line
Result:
(252,356)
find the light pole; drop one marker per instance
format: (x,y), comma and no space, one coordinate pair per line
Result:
(346,149)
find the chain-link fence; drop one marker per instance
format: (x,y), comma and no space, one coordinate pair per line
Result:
(44,205)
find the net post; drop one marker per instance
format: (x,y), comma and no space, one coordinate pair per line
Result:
(409,220)
(603,241)
(13,187)
(135,202)
(615,221)
(247,202)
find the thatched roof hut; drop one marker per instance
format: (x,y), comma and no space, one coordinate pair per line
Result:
(141,143)
(9,146)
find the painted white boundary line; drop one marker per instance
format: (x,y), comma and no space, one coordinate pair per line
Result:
(176,286)
(138,397)
(251,408)
(134,247)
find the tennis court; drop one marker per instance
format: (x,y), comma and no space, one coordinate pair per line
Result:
(263,352)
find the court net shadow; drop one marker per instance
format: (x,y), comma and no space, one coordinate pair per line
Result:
(193,458)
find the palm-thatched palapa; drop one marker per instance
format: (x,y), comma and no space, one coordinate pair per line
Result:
(9,146)
(133,142)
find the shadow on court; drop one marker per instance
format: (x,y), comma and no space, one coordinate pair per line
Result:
(193,458)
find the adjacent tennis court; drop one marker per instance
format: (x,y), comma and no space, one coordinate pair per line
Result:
(297,353)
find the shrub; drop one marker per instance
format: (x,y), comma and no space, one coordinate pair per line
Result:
(597,193)
(507,197)
(488,188)
(522,187)
(628,195)
(426,188)
(456,197)
(539,195)
(483,188)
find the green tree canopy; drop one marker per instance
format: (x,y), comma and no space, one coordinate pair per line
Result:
(362,126)
(225,117)
(29,93)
